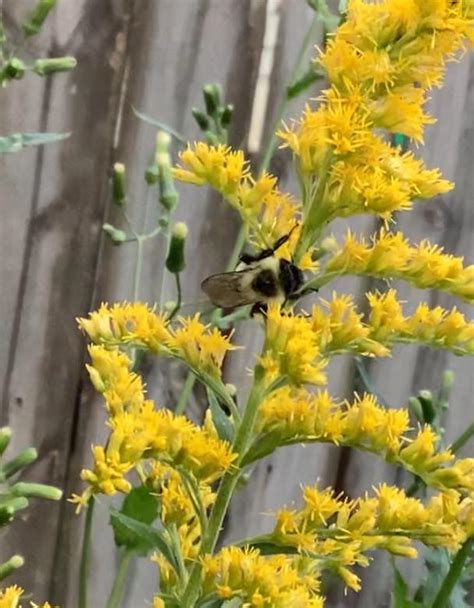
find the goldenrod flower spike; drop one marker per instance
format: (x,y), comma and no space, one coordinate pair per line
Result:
(268,212)
(278,581)
(336,532)
(293,415)
(391,256)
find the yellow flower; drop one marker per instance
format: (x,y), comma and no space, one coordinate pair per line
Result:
(111,375)
(341,329)
(10,597)
(337,531)
(390,256)
(277,580)
(293,415)
(202,348)
(107,477)
(217,166)
(126,324)
(291,349)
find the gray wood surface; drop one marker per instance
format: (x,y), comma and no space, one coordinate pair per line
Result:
(55,265)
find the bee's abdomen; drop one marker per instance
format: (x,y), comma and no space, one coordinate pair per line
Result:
(266,283)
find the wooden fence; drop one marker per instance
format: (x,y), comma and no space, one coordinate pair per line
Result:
(56,265)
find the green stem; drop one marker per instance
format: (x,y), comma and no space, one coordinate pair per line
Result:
(138,268)
(178,296)
(455,571)
(185,394)
(85,555)
(284,101)
(462,439)
(224,494)
(120,580)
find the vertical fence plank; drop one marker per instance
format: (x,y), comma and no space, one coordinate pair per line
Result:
(174,49)
(54,282)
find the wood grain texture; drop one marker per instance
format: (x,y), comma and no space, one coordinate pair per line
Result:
(53,277)
(55,264)
(174,48)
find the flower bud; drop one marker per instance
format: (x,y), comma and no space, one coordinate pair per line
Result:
(38,17)
(415,407)
(201,119)
(227,115)
(168,192)
(6,514)
(37,490)
(118,180)
(212,97)
(10,566)
(169,306)
(163,140)
(175,261)
(21,460)
(152,175)
(116,236)
(426,400)
(14,69)
(16,504)
(5,437)
(42,67)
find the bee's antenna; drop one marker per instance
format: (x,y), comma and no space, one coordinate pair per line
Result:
(283,239)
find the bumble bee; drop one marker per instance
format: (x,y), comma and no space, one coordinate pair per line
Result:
(259,280)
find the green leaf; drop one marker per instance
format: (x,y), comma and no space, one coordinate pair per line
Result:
(262,446)
(140,506)
(303,82)
(222,422)
(159,125)
(148,536)
(17,141)
(400,593)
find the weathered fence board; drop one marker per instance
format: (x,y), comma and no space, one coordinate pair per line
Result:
(155,55)
(53,276)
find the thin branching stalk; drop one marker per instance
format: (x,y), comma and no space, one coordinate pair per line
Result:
(85,555)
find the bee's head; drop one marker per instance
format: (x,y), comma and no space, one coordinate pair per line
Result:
(291,277)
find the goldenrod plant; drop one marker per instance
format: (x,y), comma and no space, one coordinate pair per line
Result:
(178,478)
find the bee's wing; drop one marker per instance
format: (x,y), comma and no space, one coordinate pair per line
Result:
(230,289)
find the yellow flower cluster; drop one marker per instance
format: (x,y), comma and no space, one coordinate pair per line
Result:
(139,432)
(380,64)
(391,256)
(337,532)
(342,329)
(127,324)
(291,349)
(268,212)
(10,598)
(293,415)
(136,325)
(277,581)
